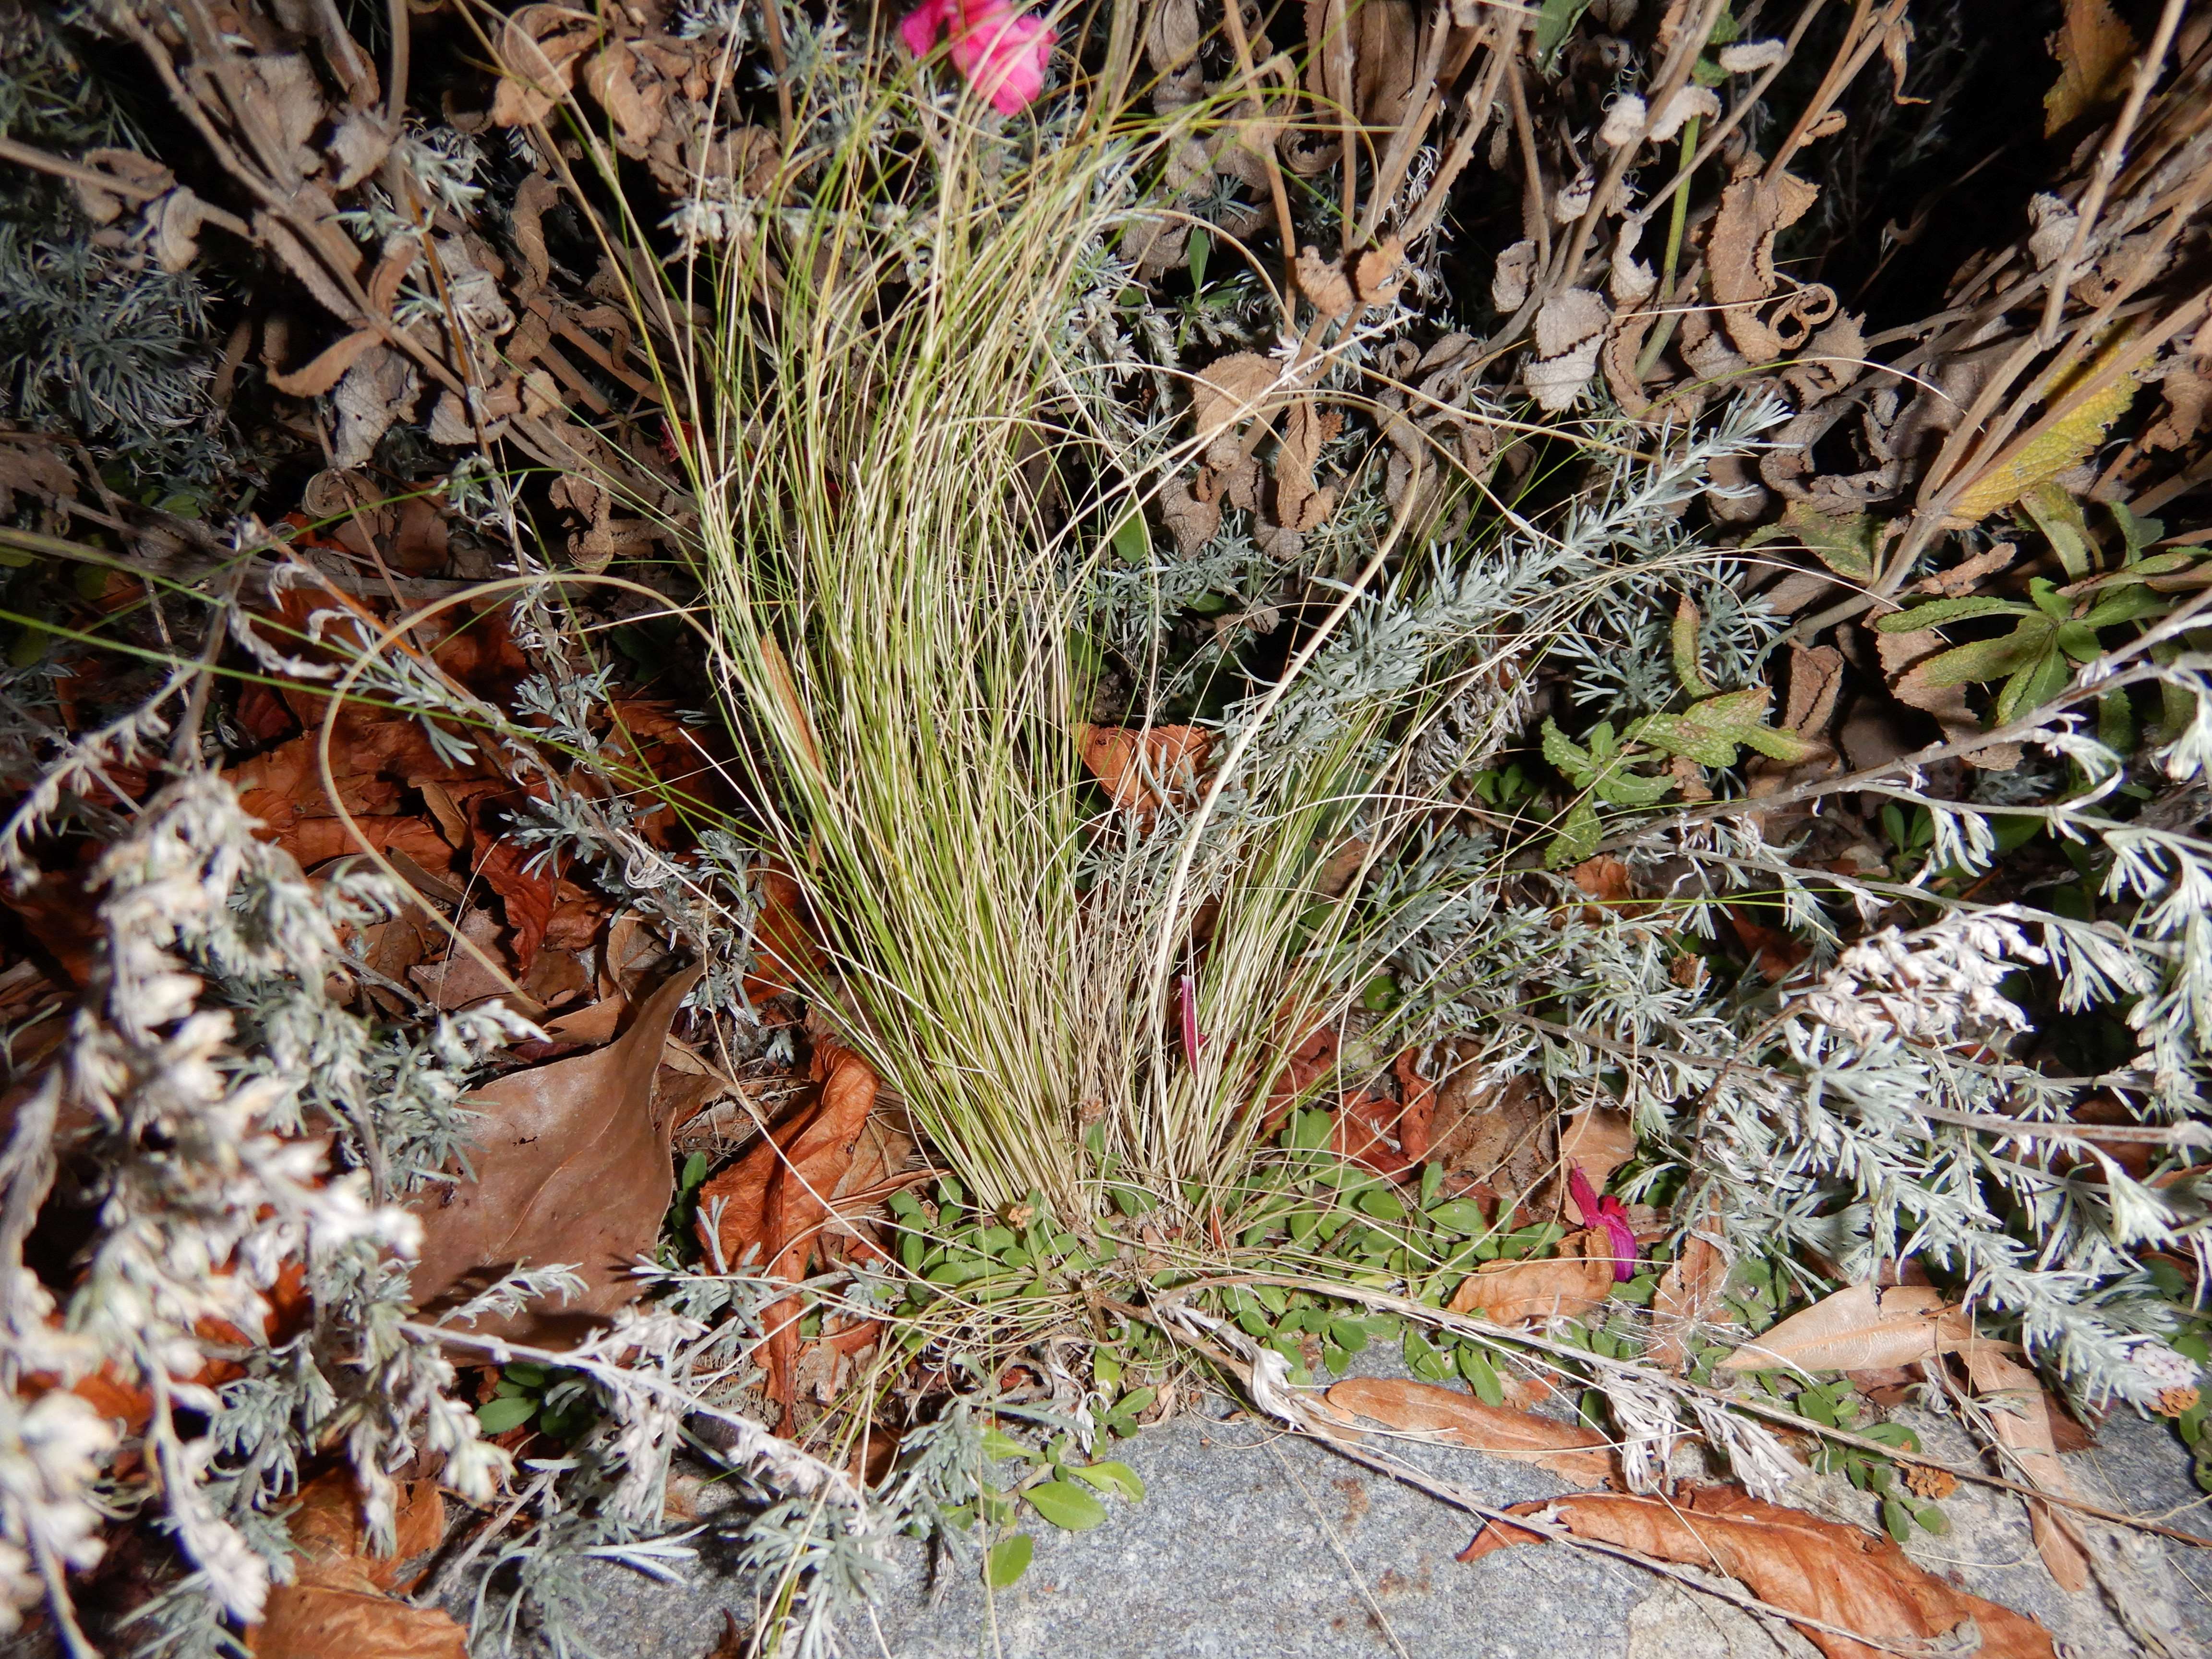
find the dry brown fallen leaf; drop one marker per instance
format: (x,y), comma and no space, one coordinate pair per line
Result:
(2020,1418)
(1689,1293)
(572,1165)
(1515,1292)
(2095,51)
(779,1197)
(1597,1143)
(1859,1327)
(1795,1561)
(1143,768)
(338,1603)
(1581,1455)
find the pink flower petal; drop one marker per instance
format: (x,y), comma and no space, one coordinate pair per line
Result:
(1584,1194)
(1623,1239)
(1002,53)
(918,28)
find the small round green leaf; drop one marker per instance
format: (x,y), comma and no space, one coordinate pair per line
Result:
(1067,1505)
(1008,1560)
(1115,1477)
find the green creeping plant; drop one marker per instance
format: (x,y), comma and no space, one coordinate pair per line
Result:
(2056,629)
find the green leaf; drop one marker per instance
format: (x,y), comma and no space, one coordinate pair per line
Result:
(1578,836)
(1008,1560)
(1433,1181)
(1382,1204)
(1553,24)
(2078,641)
(1134,1401)
(2032,686)
(1115,1477)
(958,1270)
(998,1446)
(2137,532)
(1481,1376)
(1943,612)
(1896,1519)
(1422,1360)
(1987,660)
(1847,546)
(511,1411)
(1932,1519)
(2130,604)
(1680,735)
(1710,732)
(1202,248)
(2044,593)
(1067,1505)
(1565,753)
(526,1372)
(1461,1217)
(2058,515)
(1685,639)
(1619,788)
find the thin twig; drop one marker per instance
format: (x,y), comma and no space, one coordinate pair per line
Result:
(1248,77)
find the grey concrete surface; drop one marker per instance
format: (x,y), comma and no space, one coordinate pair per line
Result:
(1250,1544)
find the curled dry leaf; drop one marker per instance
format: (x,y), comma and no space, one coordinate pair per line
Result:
(538,53)
(786,954)
(1231,390)
(1860,1328)
(2020,1418)
(338,1602)
(1521,1293)
(1580,1454)
(1793,1560)
(1753,211)
(1323,280)
(1299,504)
(572,1165)
(779,1202)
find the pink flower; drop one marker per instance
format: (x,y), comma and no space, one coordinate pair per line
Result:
(1002,53)
(1606,1215)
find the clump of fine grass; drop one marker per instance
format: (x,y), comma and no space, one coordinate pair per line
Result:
(897,622)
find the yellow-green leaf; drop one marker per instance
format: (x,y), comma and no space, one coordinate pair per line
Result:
(2058,515)
(2069,442)
(1116,1477)
(1685,648)
(1846,545)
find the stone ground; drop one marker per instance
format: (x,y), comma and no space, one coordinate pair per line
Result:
(1260,1545)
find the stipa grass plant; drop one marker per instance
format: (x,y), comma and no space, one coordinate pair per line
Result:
(899,624)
